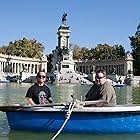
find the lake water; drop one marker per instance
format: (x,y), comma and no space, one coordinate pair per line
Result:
(11,93)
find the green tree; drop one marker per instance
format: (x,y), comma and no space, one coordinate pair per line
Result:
(103,52)
(100,52)
(84,52)
(91,54)
(135,43)
(118,51)
(24,48)
(77,55)
(3,49)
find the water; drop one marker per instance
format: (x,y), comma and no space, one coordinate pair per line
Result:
(12,93)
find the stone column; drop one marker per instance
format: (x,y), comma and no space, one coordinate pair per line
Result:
(29,68)
(67,41)
(4,64)
(14,67)
(19,67)
(34,69)
(17,70)
(1,66)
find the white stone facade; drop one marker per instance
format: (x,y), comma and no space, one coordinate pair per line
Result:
(118,66)
(15,65)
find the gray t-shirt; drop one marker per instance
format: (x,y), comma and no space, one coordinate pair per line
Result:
(108,93)
(103,92)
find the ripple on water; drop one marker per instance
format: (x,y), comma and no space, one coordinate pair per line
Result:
(4,128)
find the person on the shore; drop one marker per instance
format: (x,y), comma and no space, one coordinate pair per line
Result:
(39,93)
(102,90)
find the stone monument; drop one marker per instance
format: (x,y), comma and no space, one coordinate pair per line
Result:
(62,55)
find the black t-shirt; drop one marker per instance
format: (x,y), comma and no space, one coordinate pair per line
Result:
(39,94)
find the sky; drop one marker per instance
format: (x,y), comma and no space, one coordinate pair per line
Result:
(91,22)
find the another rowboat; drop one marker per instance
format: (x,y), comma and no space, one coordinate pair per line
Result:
(119,85)
(4,81)
(95,120)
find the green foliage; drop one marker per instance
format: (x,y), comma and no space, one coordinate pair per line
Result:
(3,50)
(118,51)
(77,55)
(135,43)
(100,52)
(24,48)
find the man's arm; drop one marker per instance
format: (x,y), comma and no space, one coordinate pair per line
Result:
(50,100)
(30,101)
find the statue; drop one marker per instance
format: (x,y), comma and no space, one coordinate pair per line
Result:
(114,71)
(64,18)
(56,67)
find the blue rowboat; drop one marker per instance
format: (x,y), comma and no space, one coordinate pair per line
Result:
(95,120)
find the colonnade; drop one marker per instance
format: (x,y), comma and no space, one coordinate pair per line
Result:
(110,69)
(15,65)
(118,66)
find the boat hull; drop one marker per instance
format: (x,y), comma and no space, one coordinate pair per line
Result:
(119,85)
(79,122)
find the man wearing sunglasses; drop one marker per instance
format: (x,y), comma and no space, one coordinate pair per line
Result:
(102,90)
(39,93)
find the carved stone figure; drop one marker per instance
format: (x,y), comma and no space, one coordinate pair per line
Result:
(64,18)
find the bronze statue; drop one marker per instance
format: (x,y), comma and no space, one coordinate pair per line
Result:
(64,18)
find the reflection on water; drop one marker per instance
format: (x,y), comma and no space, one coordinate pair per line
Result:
(128,95)
(124,95)
(17,135)
(4,128)
(63,92)
(11,93)
(15,93)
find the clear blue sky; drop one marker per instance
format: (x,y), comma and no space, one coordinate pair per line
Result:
(91,22)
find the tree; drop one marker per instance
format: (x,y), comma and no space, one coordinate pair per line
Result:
(3,49)
(24,48)
(77,55)
(118,51)
(135,43)
(100,52)
(84,52)
(103,52)
(91,54)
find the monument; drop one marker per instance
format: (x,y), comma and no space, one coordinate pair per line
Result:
(62,55)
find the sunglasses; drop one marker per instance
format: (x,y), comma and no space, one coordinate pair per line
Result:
(41,76)
(99,77)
